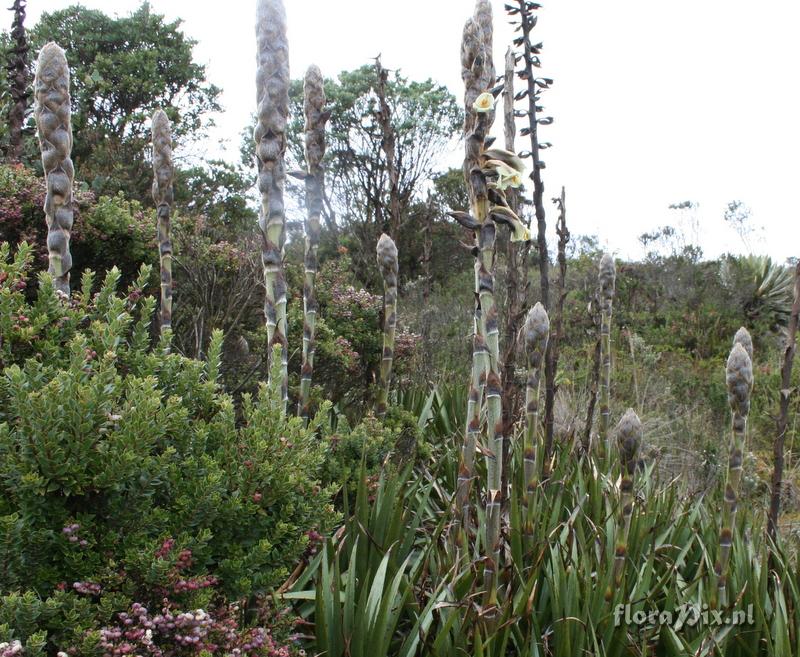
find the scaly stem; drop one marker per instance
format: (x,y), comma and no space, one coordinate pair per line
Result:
(388,264)
(54,129)
(739,379)
(629,434)
(272,85)
(537,332)
(163,174)
(608,274)
(316,117)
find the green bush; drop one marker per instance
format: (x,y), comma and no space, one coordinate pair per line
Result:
(108,232)
(124,472)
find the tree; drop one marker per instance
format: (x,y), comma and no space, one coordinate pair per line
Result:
(123,69)
(422,118)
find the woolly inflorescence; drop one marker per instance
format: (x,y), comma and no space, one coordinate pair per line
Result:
(315,115)
(163,171)
(537,332)
(629,438)
(387,259)
(54,128)
(608,277)
(272,95)
(743,338)
(739,380)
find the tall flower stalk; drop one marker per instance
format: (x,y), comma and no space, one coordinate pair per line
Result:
(478,75)
(782,421)
(477,72)
(387,262)
(18,78)
(629,438)
(163,176)
(739,380)
(488,172)
(608,278)
(537,333)
(54,129)
(272,92)
(316,117)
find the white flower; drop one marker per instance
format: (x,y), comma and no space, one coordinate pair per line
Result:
(484,103)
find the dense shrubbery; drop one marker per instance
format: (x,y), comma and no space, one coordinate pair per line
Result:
(108,232)
(124,474)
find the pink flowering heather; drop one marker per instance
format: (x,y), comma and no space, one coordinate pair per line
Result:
(11,649)
(173,633)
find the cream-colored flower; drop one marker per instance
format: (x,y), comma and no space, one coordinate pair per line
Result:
(507,157)
(506,176)
(484,102)
(519,231)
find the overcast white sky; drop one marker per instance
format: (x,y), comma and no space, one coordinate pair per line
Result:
(654,103)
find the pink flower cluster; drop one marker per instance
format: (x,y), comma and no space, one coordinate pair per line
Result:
(87,588)
(183,562)
(405,344)
(345,297)
(173,633)
(11,649)
(71,532)
(346,351)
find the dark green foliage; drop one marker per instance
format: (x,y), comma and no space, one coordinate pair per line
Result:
(137,447)
(425,118)
(122,69)
(108,232)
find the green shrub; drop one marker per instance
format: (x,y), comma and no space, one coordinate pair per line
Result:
(124,472)
(393,442)
(107,232)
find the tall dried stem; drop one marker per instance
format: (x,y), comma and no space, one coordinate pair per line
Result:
(608,277)
(18,78)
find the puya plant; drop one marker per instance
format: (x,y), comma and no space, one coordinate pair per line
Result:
(163,176)
(316,117)
(54,129)
(388,265)
(487,171)
(272,90)
(739,381)
(537,332)
(629,438)
(607,278)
